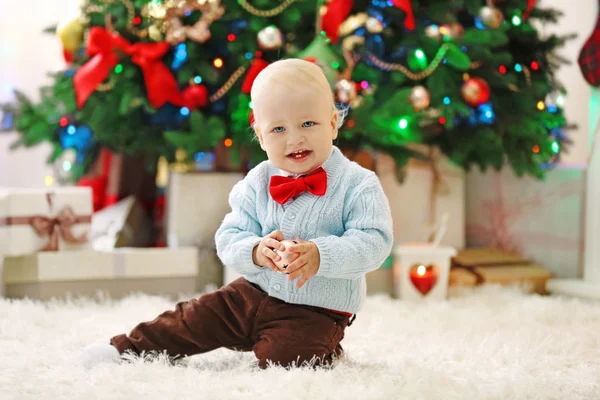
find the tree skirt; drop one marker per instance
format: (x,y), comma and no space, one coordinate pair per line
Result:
(488,343)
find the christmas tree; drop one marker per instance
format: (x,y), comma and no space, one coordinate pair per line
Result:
(473,78)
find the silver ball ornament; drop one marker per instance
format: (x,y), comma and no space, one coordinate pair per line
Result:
(346,91)
(270,38)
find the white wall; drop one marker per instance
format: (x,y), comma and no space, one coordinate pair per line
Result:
(26,55)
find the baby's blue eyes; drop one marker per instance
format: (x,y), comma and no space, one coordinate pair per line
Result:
(307,124)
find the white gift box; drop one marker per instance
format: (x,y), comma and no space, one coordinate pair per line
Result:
(118,272)
(197,203)
(422,271)
(419,203)
(32,220)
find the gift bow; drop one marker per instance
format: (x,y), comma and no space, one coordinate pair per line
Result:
(160,83)
(61,226)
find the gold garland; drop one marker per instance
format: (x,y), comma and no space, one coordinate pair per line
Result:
(435,63)
(265,13)
(228,85)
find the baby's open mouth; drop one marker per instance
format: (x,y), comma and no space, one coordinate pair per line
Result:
(299,155)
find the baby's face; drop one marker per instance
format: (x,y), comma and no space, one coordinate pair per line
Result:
(296,127)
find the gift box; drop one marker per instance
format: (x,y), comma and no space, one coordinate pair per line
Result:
(117,272)
(125,224)
(428,192)
(197,203)
(541,221)
(478,266)
(34,220)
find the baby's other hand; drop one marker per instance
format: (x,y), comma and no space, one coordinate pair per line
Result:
(305,266)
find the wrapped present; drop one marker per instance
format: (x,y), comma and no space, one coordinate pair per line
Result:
(117,272)
(539,220)
(34,220)
(429,191)
(478,266)
(125,224)
(197,202)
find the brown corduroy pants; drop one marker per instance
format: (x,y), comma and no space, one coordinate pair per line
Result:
(240,316)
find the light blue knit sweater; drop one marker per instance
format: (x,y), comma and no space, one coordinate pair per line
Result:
(351,226)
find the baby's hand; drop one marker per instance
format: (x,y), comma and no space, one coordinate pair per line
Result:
(263,254)
(307,264)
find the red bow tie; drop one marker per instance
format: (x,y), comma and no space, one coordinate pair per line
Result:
(283,188)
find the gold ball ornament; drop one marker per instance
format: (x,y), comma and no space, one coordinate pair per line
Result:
(419,98)
(491,17)
(270,38)
(70,34)
(346,91)
(374,25)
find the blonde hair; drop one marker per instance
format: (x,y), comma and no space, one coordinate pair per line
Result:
(294,73)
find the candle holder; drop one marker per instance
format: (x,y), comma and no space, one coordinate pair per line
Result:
(421,271)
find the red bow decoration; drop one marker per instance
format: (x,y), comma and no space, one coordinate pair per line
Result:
(257,66)
(160,83)
(530,5)
(337,12)
(409,20)
(283,188)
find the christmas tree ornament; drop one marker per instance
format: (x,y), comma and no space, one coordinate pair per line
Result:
(374,25)
(491,17)
(257,66)
(195,96)
(270,38)
(433,31)
(475,92)
(352,23)
(452,31)
(406,6)
(200,32)
(589,56)
(70,34)
(417,60)
(346,91)
(419,98)
(336,13)
(287,257)
(63,166)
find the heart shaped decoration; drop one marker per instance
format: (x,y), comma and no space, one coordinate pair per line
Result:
(423,277)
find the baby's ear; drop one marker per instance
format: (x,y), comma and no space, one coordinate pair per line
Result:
(334,123)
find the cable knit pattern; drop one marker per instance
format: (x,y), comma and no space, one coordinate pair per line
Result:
(351,225)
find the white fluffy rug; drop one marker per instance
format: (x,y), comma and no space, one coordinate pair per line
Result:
(491,343)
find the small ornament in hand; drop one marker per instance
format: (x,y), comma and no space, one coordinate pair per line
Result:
(287,257)
(306,265)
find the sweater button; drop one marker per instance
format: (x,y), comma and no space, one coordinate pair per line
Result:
(292,216)
(277,287)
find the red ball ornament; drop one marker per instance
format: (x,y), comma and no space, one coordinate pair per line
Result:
(475,92)
(195,96)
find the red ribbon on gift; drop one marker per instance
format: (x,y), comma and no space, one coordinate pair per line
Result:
(102,47)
